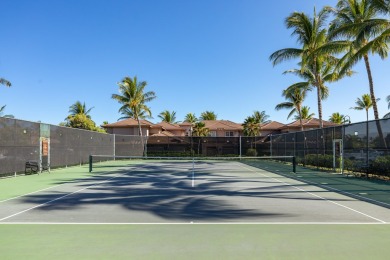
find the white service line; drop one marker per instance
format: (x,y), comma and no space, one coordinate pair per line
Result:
(315,195)
(31,193)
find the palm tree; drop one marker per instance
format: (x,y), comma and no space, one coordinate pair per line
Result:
(1,112)
(382,6)
(251,126)
(260,117)
(200,130)
(358,21)
(305,113)
(190,118)
(295,98)
(167,116)
(208,115)
(5,82)
(312,36)
(133,100)
(337,118)
(77,108)
(365,103)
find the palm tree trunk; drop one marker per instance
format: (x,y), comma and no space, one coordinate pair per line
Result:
(318,86)
(319,103)
(300,118)
(373,100)
(371,84)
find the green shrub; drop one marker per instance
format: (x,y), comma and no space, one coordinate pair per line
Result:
(319,160)
(251,152)
(381,165)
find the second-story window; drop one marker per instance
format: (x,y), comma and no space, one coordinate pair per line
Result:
(213,133)
(229,134)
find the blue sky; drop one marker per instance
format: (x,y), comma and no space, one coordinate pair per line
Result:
(197,55)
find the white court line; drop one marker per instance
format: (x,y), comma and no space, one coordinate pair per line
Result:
(131,168)
(315,195)
(51,187)
(48,202)
(31,193)
(342,192)
(194,223)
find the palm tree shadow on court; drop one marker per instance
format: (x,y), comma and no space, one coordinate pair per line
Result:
(166,194)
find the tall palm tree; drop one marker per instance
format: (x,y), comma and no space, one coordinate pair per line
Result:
(167,116)
(364,103)
(311,34)
(78,108)
(305,113)
(190,118)
(251,126)
(295,98)
(208,115)
(337,118)
(260,117)
(133,99)
(358,22)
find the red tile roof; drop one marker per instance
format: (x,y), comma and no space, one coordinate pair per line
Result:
(170,127)
(214,125)
(272,125)
(164,133)
(185,124)
(307,123)
(128,122)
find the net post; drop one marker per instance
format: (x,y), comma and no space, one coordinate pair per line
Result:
(294,164)
(90,163)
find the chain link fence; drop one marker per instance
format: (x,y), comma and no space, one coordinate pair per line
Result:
(360,148)
(55,146)
(177,146)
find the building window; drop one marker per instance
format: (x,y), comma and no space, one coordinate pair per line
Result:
(213,133)
(229,134)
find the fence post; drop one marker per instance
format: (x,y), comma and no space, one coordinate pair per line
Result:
(240,147)
(294,165)
(90,163)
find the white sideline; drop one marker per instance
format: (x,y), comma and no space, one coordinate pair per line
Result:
(315,195)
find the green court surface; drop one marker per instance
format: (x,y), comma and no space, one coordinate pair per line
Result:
(169,210)
(24,184)
(194,241)
(373,191)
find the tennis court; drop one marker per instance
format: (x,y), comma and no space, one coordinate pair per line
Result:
(191,209)
(187,191)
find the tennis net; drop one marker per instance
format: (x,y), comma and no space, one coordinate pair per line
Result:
(276,164)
